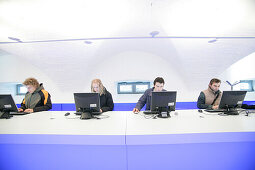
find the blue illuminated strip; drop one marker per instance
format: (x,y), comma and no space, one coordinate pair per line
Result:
(130,106)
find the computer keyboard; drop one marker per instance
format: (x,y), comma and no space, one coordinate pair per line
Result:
(94,113)
(18,113)
(147,112)
(214,110)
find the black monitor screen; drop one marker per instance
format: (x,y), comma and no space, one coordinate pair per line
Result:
(87,101)
(7,103)
(232,99)
(163,99)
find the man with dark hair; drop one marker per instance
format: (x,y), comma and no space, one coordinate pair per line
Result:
(210,98)
(146,97)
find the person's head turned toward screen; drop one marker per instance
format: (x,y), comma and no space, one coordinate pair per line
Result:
(31,84)
(214,84)
(158,84)
(97,86)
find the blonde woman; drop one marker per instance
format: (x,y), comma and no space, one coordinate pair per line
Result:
(106,102)
(36,99)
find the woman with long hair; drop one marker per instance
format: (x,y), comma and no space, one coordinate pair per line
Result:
(106,102)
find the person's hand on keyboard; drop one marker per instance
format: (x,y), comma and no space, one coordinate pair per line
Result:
(29,110)
(20,110)
(215,107)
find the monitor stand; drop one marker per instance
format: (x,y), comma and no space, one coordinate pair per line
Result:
(5,114)
(86,115)
(164,114)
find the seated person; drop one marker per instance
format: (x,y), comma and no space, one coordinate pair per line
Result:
(36,99)
(146,97)
(210,98)
(106,102)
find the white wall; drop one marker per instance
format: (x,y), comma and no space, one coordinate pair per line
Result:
(241,70)
(15,70)
(123,66)
(136,65)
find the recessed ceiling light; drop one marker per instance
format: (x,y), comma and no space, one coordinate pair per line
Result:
(154,33)
(212,40)
(15,39)
(87,42)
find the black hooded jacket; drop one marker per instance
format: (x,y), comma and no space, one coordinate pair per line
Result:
(106,102)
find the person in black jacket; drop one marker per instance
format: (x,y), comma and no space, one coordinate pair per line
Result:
(106,102)
(36,99)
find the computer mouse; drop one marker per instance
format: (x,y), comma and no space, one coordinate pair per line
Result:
(67,114)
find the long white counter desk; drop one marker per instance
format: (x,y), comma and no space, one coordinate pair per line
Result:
(189,122)
(191,140)
(123,140)
(112,124)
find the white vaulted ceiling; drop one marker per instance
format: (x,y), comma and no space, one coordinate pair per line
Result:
(52,34)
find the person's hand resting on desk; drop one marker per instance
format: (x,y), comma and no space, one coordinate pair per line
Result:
(135,110)
(215,107)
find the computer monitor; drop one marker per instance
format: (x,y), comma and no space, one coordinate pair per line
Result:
(231,100)
(163,102)
(7,105)
(88,104)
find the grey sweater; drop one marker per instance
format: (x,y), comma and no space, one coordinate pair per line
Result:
(145,99)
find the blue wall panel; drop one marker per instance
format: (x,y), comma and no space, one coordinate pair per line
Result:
(62,157)
(201,156)
(68,107)
(186,105)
